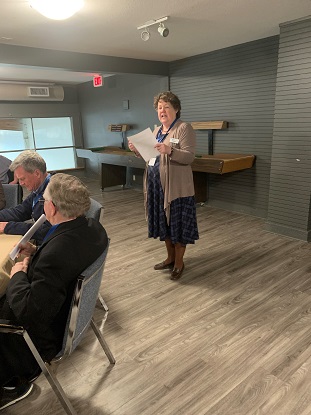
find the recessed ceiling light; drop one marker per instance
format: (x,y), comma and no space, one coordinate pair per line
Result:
(57,9)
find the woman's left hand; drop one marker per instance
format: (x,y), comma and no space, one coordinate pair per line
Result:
(163,148)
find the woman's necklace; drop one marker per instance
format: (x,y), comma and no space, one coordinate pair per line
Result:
(161,135)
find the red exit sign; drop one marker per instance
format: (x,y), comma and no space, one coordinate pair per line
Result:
(97,81)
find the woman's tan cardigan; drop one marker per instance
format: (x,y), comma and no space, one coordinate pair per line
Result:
(175,171)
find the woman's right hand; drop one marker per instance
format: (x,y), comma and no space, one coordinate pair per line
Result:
(133,148)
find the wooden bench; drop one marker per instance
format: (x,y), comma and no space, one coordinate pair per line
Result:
(114,161)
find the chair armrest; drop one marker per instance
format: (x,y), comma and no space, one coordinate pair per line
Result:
(7,326)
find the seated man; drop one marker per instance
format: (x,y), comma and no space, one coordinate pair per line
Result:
(4,169)
(2,197)
(30,170)
(41,286)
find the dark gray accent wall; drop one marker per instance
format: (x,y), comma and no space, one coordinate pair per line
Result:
(237,85)
(290,183)
(103,106)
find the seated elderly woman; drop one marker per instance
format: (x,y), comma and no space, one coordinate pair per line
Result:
(39,292)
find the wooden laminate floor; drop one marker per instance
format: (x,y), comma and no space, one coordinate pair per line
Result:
(232,337)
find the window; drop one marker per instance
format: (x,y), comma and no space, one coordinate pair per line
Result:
(52,138)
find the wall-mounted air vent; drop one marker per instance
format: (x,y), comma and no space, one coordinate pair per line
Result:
(38,91)
(22,92)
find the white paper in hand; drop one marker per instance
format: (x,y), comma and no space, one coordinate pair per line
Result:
(144,143)
(28,235)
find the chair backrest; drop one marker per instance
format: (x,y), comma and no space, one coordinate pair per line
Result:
(13,194)
(10,175)
(95,210)
(83,304)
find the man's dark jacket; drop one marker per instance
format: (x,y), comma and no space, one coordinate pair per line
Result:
(2,197)
(40,299)
(29,210)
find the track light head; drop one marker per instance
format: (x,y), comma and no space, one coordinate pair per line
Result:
(163,30)
(145,35)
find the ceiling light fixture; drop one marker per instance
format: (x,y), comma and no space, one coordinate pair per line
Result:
(145,34)
(57,9)
(163,31)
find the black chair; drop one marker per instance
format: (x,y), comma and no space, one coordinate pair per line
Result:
(79,319)
(13,194)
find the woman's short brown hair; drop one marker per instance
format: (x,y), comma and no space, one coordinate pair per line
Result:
(168,96)
(69,195)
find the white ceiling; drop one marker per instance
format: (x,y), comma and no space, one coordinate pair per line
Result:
(108,27)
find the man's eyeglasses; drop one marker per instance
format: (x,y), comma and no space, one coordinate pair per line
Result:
(41,201)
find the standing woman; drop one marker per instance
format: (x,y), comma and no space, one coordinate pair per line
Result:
(169,188)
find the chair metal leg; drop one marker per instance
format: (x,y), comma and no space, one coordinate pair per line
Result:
(103,343)
(103,303)
(58,390)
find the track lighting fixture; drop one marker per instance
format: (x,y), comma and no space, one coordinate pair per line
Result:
(145,34)
(163,31)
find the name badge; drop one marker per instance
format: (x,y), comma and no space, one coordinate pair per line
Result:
(152,161)
(174,140)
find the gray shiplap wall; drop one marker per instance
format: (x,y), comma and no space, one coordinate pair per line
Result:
(289,196)
(237,85)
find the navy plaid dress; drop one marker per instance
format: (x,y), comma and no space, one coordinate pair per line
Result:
(183,226)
